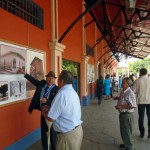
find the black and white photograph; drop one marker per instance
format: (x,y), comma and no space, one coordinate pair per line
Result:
(17,90)
(3,91)
(35,67)
(12,58)
(90,73)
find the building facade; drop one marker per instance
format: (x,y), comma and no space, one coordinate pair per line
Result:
(38,26)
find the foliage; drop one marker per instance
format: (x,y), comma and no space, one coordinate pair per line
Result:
(70,66)
(135,67)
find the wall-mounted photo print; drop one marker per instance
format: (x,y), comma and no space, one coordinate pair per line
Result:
(35,67)
(17,90)
(11,59)
(90,73)
(3,91)
(13,85)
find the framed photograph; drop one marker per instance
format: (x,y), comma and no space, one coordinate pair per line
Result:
(3,91)
(11,58)
(35,67)
(17,89)
(14,86)
(90,73)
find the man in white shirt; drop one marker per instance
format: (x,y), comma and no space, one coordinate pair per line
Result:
(65,113)
(142,91)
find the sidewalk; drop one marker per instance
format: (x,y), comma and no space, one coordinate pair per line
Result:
(101,128)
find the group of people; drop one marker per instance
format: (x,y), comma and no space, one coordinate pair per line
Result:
(59,105)
(105,86)
(135,93)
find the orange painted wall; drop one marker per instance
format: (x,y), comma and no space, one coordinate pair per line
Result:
(99,46)
(16,122)
(68,12)
(16,30)
(90,40)
(90,35)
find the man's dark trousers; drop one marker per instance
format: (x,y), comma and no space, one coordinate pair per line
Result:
(141,112)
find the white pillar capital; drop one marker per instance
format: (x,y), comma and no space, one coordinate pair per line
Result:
(85,58)
(56,50)
(57,46)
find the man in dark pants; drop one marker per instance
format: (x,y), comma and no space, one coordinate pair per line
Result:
(44,94)
(99,89)
(142,91)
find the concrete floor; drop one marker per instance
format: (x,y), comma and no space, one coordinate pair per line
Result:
(101,128)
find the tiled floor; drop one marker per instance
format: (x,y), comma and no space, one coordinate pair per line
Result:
(101,128)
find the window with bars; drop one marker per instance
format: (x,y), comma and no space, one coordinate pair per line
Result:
(25,9)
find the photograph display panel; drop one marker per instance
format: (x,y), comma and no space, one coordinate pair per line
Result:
(12,88)
(3,90)
(90,73)
(35,67)
(13,85)
(11,58)
(17,89)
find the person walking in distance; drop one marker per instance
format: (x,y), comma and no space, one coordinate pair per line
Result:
(43,96)
(142,90)
(107,86)
(65,113)
(99,89)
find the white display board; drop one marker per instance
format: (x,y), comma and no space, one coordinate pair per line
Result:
(90,73)
(14,86)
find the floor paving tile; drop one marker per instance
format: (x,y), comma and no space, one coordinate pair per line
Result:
(101,128)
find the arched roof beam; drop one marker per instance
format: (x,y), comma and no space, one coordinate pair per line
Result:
(77,19)
(109,59)
(108,51)
(88,23)
(99,40)
(110,63)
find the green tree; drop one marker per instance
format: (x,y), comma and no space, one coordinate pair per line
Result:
(134,67)
(70,66)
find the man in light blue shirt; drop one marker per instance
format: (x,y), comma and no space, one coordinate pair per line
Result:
(65,112)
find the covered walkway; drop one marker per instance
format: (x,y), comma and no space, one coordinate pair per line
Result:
(101,128)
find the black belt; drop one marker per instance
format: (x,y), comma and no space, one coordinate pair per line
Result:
(68,131)
(125,113)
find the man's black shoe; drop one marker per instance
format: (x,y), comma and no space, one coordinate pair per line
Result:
(148,135)
(122,146)
(141,135)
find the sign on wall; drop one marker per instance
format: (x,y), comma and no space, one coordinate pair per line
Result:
(14,86)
